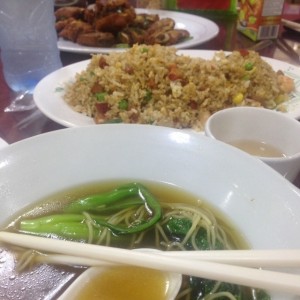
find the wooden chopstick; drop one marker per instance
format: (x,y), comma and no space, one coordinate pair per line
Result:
(258,278)
(247,258)
(261,45)
(286,48)
(291,24)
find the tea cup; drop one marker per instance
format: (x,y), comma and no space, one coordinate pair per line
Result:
(272,136)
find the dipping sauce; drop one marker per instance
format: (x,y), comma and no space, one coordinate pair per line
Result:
(257,148)
(126,282)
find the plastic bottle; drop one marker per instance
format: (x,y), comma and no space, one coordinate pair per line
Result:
(28,42)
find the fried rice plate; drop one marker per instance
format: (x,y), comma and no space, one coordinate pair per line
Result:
(155,85)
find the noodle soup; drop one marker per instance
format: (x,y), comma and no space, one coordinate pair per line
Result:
(164,217)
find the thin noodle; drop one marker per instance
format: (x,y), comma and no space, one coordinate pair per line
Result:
(89,222)
(185,293)
(161,232)
(219,295)
(137,238)
(195,222)
(26,260)
(216,286)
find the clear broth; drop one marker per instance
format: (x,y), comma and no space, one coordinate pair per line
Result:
(257,148)
(142,283)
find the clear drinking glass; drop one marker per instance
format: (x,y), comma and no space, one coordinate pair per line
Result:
(28,43)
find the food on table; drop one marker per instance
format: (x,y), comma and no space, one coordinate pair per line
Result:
(115,23)
(128,215)
(155,85)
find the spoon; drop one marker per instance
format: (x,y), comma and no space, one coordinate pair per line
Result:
(126,281)
(89,281)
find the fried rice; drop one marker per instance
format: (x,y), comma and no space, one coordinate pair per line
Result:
(155,85)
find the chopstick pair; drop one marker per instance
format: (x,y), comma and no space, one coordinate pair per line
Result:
(290,24)
(219,265)
(286,48)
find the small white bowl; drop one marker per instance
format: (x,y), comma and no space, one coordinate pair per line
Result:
(267,127)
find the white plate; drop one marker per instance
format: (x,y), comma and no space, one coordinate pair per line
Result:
(2,143)
(49,92)
(200,29)
(261,203)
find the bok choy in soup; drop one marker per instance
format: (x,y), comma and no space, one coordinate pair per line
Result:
(126,215)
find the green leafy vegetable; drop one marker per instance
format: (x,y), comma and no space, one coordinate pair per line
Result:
(178,226)
(97,207)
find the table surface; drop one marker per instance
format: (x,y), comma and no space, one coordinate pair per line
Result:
(15,126)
